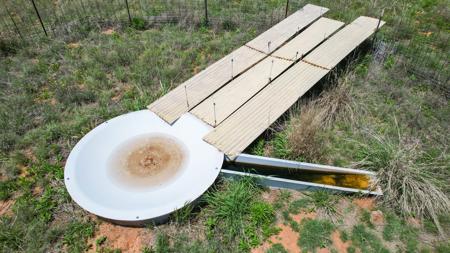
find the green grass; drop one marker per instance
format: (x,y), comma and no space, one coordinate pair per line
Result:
(443,247)
(365,218)
(392,228)
(315,200)
(162,244)
(276,248)
(343,235)
(324,200)
(183,215)
(283,199)
(387,110)
(236,216)
(366,240)
(397,229)
(100,241)
(410,185)
(181,243)
(53,91)
(315,234)
(70,97)
(76,235)
(298,205)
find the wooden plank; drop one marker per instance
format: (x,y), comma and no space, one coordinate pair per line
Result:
(190,93)
(225,101)
(172,105)
(308,39)
(337,47)
(282,31)
(221,104)
(247,123)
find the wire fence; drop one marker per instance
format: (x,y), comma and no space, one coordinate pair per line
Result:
(30,20)
(70,19)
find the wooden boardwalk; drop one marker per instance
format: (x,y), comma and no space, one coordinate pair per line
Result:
(249,121)
(245,92)
(193,91)
(224,102)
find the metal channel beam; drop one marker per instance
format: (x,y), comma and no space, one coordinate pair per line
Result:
(274,182)
(261,161)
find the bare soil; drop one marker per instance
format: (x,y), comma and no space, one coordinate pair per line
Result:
(127,239)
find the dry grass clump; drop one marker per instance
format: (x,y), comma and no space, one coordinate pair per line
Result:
(337,102)
(412,182)
(410,185)
(302,135)
(303,139)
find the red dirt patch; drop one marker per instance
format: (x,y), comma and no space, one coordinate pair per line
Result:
(127,239)
(303,215)
(365,203)
(270,195)
(377,218)
(338,244)
(287,237)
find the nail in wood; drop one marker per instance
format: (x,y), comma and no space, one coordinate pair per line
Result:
(185,93)
(270,74)
(215,119)
(232,61)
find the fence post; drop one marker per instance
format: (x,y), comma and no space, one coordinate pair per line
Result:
(378,26)
(206,12)
(14,23)
(128,10)
(287,9)
(39,17)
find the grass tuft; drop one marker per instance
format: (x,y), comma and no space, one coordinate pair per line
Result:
(277,248)
(235,213)
(410,185)
(304,132)
(184,214)
(77,234)
(336,103)
(315,234)
(303,138)
(325,202)
(366,240)
(299,204)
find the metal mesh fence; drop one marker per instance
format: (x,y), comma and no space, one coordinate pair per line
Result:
(28,19)
(70,20)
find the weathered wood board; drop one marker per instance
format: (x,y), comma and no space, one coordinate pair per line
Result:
(248,122)
(271,39)
(193,91)
(225,101)
(308,39)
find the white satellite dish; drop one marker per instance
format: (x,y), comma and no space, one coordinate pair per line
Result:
(136,168)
